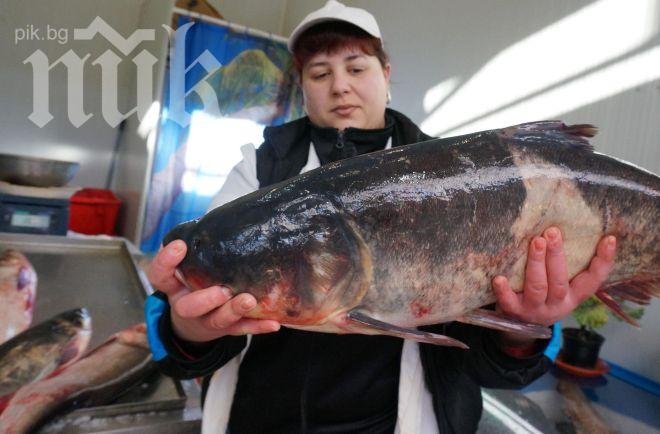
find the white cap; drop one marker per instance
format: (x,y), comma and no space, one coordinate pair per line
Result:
(335,11)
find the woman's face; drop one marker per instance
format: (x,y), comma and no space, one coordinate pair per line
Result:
(345,89)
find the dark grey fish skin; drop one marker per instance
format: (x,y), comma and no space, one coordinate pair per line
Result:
(99,377)
(414,235)
(42,349)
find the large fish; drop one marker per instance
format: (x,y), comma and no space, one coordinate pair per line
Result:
(18,287)
(42,349)
(388,241)
(97,378)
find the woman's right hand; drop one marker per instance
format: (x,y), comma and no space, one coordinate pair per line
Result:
(204,314)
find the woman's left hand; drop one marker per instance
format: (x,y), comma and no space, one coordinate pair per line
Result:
(547,295)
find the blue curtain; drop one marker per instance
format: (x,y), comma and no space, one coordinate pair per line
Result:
(228,75)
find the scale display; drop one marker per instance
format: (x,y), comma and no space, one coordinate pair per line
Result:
(29,215)
(25,219)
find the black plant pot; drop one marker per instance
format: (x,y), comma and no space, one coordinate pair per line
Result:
(581,347)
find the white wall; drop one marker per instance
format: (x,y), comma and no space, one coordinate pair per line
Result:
(92,143)
(267,16)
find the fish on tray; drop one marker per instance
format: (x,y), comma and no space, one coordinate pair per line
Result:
(96,379)
(41,350)
(18,288)
(384,242)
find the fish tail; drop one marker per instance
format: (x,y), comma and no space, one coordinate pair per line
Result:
(638,290)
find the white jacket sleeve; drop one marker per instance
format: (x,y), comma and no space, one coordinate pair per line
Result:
(241,180)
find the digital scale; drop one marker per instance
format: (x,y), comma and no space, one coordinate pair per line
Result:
(34,210)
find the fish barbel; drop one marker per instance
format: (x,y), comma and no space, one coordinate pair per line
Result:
(42,349)
(410,236)
(18,288)
(99,377)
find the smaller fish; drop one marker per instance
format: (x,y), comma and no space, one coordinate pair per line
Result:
(42,349)
(96,379)
(576,406)
(18,289)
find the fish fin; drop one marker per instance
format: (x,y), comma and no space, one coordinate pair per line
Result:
(639,290)
(549,132)
(54,373)
(4,400)
(615,307)
(581,130)
(499,321)
(364,321)
(69,353)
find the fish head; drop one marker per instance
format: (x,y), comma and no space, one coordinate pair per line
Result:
(18,288)
(74,329)
(74,321)
(302,259)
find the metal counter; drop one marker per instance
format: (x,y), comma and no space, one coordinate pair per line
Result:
(100,275)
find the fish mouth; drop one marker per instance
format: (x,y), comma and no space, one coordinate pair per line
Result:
(193,281)
(181,278)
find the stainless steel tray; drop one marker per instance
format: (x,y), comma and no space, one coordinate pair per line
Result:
(101,275)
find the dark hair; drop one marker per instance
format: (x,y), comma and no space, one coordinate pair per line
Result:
(332,36)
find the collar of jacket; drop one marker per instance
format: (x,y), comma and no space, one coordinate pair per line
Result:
(333,145)
(284,137)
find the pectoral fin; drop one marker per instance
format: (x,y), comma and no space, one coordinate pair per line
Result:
(364,321)
(498,321)
(638,289)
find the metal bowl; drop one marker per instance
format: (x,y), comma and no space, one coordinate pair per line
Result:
(36,172)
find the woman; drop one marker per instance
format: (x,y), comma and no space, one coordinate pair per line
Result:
(294,381)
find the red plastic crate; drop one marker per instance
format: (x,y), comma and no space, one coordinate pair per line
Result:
(94,211)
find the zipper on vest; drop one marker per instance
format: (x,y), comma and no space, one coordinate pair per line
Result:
(340,140)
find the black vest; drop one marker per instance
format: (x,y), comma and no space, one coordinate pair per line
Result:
(285,149)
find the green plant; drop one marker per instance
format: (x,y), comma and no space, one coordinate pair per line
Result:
(593,314)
